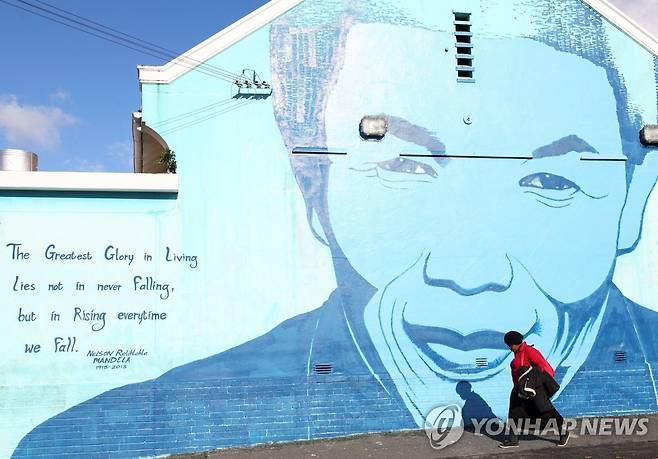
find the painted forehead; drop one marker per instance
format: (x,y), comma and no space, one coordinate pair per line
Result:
(316,30)
(520,85)
(495,18)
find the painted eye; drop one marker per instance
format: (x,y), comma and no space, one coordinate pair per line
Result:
(547,181)
(407,166)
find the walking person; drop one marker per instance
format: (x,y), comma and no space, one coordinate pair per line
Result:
(530,401)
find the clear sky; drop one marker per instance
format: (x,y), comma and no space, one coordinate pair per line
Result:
(68,96)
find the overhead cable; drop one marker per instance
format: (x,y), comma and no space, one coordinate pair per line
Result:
(134,44)
(167,50)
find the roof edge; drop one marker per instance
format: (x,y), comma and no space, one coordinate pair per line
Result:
(625,23)
(112,182)
(163,74)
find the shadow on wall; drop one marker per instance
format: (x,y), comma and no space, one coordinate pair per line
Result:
(474,405)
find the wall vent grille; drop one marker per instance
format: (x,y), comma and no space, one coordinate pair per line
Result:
(464,46)
(620,356)
(323,368)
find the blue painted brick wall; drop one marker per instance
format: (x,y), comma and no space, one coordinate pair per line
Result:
(233,412)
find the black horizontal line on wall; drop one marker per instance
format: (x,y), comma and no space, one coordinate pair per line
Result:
(497,157)
(317,152)
(603,159)
(462,156)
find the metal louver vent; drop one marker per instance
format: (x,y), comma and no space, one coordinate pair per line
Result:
(464,45)
(620,356)
(481,362)
(323,368)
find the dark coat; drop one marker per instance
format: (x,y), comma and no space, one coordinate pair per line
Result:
(538,386)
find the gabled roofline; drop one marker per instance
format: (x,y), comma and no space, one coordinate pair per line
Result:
(625,24)
(210,47)
(217,43)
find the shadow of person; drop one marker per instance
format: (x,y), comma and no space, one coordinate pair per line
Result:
(475,410)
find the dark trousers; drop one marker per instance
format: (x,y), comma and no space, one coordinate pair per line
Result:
(522,412)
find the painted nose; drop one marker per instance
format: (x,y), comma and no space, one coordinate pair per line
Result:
(469,284)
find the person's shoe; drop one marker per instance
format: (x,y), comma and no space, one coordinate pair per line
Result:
(509,444)
(564,439)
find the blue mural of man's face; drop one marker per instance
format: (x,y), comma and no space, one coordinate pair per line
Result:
(462,249)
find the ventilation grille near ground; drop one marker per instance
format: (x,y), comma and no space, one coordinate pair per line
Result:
(620,356)
(481,362)
(323,368)
(464,46)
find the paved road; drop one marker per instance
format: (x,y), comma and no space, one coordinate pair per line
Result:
(415,445)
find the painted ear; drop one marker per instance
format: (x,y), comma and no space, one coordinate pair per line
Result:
(639,189)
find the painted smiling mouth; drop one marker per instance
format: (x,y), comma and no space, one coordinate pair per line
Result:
(485,339)
(423,336)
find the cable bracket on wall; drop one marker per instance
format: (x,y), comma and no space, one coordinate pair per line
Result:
(251,86)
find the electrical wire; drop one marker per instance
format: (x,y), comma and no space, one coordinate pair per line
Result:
(145,47)
(197,111)
(142,50)
(132,37)
(140,43)
(206,118)
(199,120)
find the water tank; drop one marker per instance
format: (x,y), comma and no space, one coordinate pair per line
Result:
(18,160)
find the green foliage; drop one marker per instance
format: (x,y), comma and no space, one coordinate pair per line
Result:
(168,158)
